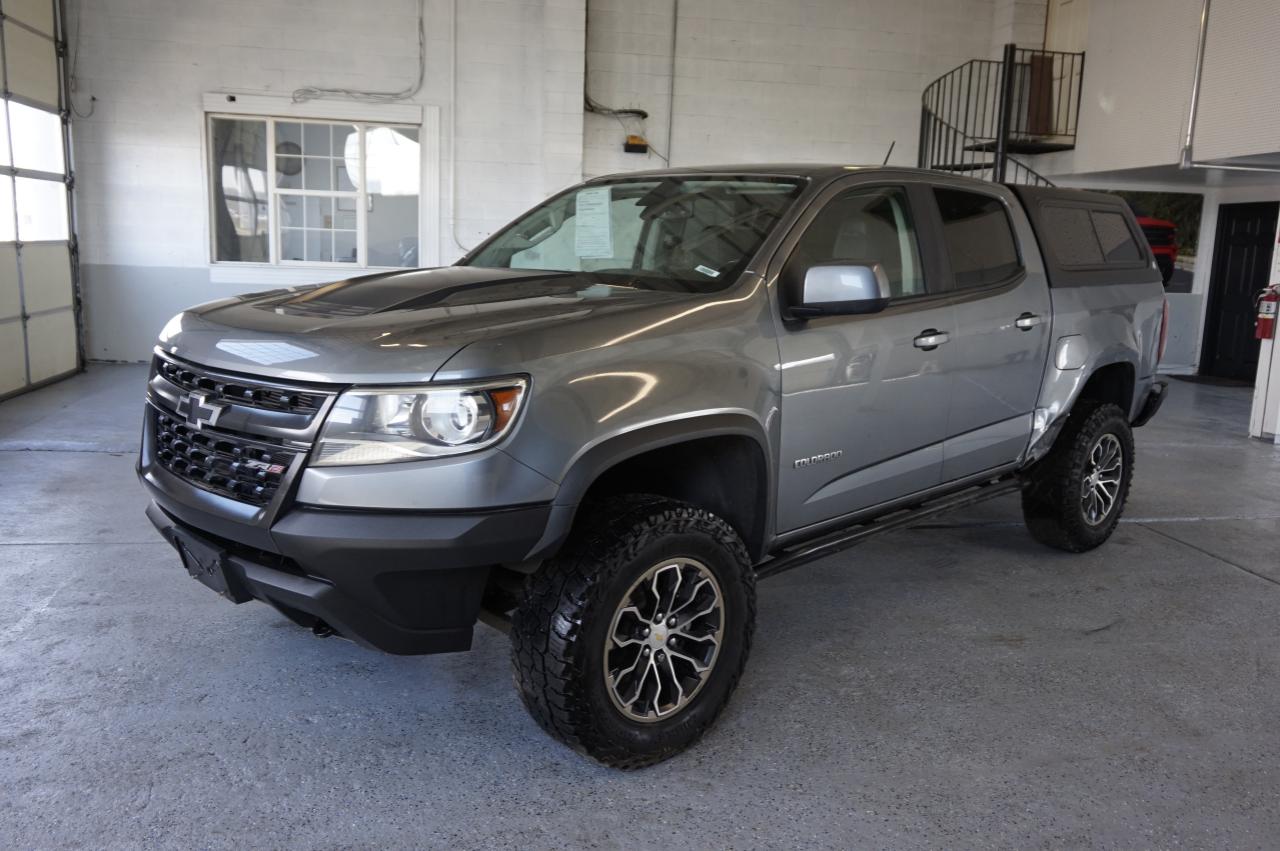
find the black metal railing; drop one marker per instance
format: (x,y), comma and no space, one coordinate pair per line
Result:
(975,118)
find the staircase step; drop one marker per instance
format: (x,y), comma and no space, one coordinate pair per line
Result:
(962,166)
(1024,146)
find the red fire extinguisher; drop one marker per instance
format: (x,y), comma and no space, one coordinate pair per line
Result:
(1268,302)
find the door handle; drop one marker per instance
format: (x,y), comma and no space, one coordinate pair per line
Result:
(930,339)
(1027,321)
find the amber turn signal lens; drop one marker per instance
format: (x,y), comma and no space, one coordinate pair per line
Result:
(506,401)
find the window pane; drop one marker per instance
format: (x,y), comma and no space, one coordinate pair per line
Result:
(291,244)
(319,246)
(315,140)
(344,217)
(319,212)
(37,138)
(289,138)
(1071,235)
(978,236)
(1114,237)
(239,153)
(289,172)
(290,211)
(7,231)
(42,209)
(344,246)
(392,167)
(864,227)
(315,173)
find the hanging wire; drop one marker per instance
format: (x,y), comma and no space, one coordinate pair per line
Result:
(307,93)
(72,80)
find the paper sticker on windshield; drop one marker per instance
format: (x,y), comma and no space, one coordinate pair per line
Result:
(593,237)
(707,270)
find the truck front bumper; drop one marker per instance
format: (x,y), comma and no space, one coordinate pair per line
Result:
(405,583)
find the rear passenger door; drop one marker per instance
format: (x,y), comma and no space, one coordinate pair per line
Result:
(1001,300)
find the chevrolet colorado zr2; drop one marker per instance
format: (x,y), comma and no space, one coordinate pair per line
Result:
(600,427)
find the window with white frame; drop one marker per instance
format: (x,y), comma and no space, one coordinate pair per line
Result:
(329,193)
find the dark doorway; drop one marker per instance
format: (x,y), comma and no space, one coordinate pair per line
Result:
(1241,265)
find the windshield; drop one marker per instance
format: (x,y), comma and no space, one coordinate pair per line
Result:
(691,234)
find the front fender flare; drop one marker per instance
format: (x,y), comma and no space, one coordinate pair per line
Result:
(597,459)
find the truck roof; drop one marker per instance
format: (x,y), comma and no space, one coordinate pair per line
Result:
(809,170)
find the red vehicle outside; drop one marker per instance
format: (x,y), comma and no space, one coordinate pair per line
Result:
(1163,237)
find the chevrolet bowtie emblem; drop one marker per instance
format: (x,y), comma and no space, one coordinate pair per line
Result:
(199,411)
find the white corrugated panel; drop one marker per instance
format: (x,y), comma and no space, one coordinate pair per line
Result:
(32,65)
(37,14)
(1138,70)
(13,369)
(1238,115)
(51,344)
(46,276)
(10,302)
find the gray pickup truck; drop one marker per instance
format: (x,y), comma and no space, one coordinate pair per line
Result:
(605,423)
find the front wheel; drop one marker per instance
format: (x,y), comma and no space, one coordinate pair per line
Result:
(1073,498)
(628,644)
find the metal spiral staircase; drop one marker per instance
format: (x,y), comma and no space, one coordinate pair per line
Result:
(977,119)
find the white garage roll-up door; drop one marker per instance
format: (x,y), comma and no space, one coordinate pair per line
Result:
(39,337)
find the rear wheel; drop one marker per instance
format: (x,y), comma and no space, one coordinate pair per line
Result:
(1073,498)
(628,644)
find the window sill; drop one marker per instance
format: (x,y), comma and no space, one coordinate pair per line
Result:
(266,273)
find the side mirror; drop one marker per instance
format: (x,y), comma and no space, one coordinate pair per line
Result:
(841,288)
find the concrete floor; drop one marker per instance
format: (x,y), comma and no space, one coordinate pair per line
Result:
(957,685)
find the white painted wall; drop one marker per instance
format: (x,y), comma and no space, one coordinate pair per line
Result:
(141,192)
(803,80)
(810,81)
(1019,22)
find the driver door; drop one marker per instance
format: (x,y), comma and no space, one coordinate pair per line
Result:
(864,401)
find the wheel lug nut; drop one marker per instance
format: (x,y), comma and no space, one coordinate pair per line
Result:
(646,632)
(672,621)
(645,651)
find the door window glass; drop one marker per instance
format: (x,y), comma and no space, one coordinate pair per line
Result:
(862,227)
(978,237)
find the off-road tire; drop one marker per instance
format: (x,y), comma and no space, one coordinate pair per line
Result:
(559,630)
(1052,489)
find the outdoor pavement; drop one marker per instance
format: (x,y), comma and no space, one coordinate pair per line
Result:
(951,686)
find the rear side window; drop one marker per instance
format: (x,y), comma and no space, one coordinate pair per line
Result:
(979,238)
(1080,236)
(1114,237)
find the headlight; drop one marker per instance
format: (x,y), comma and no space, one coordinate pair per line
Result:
(377,426)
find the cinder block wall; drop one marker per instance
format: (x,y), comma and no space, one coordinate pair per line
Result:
(814,80)
(806,80)
(141,187)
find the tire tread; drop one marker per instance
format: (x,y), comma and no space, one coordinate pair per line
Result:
(547,656)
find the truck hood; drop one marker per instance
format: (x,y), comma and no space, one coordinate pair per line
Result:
(392,327)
